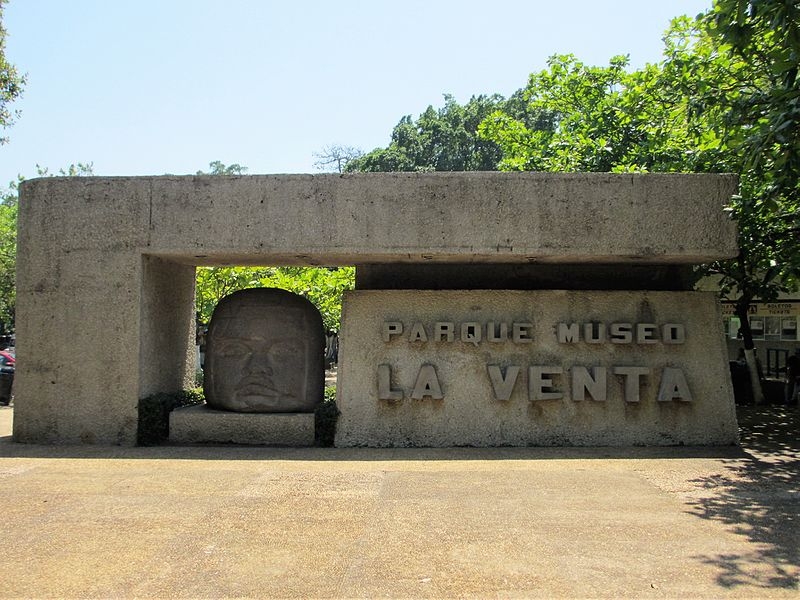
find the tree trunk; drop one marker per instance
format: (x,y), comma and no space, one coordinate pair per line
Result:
(749,350)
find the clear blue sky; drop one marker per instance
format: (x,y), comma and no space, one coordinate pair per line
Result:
(149,87)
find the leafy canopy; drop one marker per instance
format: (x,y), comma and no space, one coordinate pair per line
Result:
(322,286)
(219,168)
(723,99)
(443,139)
(11,82)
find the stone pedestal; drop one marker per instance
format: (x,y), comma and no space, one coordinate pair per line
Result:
(200,424)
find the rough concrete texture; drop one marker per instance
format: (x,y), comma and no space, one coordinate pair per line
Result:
(192,522)
(393,217)
(421,217)
(200,424)
(105,265)
(378,408)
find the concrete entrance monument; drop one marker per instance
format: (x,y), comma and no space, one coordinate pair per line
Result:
(490,309)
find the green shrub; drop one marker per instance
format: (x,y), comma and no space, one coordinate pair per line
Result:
(153,427)
(325,418)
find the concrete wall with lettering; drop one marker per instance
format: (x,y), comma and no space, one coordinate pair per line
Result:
(106,264)
(497,368)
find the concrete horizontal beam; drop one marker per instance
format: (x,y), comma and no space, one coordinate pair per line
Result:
(391,217)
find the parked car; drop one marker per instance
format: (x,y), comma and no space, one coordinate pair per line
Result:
(7,368)
(7,359)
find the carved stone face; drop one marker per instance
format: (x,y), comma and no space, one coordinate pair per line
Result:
(264,353)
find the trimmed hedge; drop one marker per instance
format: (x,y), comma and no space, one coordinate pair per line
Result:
(154,411)
(325,418)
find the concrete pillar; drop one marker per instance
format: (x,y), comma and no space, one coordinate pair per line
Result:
(167,329)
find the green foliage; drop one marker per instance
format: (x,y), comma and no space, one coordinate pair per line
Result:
(214,283)
(73,170)
(603,119)
(8,259)
(11,82)
(758,42)
(723,99)
(321,285)
(439,140)
(325,418)
(153,426)
(219,168)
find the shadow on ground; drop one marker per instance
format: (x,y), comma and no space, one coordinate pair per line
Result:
(758,496)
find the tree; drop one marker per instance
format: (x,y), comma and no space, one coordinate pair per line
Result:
(724,99)
(11,83)
(217,167)
(762,38)
(443,139)
(8,259)
(214,283)
(336,156)
(604,119)
(323,286)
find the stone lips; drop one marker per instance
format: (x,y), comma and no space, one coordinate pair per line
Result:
(684,391)
(264,353)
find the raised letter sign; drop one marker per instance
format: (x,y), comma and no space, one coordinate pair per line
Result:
(391,328)
(493,336)
(674,386)
(645,333)
(568,334)
(385,391)
(537,382)
(522,333)
(427,384)
(583,382)
(631,376)
(621,333)
(443,330)
(673,333)
(471,332)
(503,386)
(417,333)
(594,333)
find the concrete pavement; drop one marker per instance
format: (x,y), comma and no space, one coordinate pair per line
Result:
(223,522)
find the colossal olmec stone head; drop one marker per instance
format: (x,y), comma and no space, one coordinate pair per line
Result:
(264,353)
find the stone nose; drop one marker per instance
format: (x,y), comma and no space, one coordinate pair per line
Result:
(259,364)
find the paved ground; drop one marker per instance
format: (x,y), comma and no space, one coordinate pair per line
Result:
(88,522)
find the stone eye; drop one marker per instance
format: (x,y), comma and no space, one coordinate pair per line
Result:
(233,349)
